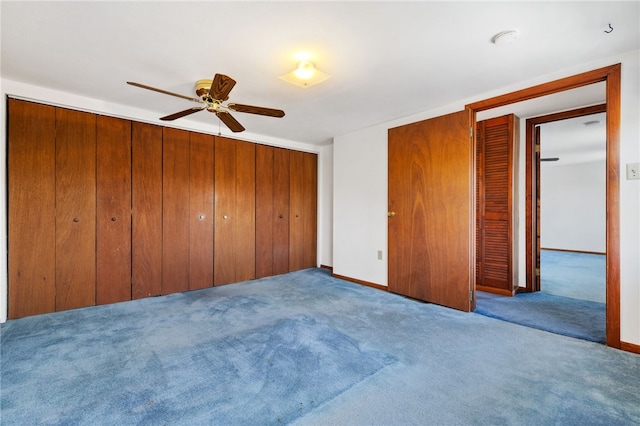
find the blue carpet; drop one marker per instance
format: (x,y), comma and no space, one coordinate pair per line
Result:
(575,275)
(582,319)
(305,349)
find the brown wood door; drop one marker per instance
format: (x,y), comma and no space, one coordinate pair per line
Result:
(272,211)
(175,210)
(113,232)
(146,201)
(494,204)
(75,209)
(31,204)
(303,208)
(431,202)
(235,232)
(201,210)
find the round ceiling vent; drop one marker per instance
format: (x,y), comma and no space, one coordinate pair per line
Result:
(505,37)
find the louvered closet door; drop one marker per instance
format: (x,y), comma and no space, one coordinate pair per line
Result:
(31,204)
(494,204)
(75,209)
(113,244)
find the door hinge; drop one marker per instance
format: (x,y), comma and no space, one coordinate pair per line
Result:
(470,131)
(471,296)
(537,148)
(537,272)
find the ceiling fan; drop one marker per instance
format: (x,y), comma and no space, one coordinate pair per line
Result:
(212,94)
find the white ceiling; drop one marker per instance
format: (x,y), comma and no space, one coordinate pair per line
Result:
(387,60)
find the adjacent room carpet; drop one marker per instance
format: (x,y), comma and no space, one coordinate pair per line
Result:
(304,348)
(572,274)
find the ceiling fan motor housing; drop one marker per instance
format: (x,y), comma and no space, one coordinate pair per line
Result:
(202,88)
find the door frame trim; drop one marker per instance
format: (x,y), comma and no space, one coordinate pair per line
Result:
(533,191)
(611,75)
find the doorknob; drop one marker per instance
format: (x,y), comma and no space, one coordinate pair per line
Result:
(391,214)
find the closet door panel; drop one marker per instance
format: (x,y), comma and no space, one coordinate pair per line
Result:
(280,216)
(113,245)
(75,209)
(264,211)
(225,192)
(146,197)
(175,218)
(245,211)
(31,208)
(296,224)
(201,194)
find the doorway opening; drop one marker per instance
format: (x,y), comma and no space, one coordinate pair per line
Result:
(611,78)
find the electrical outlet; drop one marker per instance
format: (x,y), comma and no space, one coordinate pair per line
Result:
(379,254)
(633,171)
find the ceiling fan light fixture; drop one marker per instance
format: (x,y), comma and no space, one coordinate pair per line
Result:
(305,75)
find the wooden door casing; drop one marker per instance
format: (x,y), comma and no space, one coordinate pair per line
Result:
(75,209)
(113,218)
(431,203)
(31,203)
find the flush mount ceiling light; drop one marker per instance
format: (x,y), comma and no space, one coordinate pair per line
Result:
(305,75)
(505,37)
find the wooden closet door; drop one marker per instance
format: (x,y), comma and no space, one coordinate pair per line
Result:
(113,245)
(280,218)
(175,217)
(234,240)
(272,211)
(75,209)
(495,142)
(201,173)
(264,211)
(146,201)
(31,205)
(303,218)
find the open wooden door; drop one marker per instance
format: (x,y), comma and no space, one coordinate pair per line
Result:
(431,211)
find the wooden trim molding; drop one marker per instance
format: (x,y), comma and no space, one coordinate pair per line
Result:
(365,283)
(330,268)
(611,76)
(630,347)
(573,251)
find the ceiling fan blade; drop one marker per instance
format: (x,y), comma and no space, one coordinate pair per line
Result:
(221,86)
(230,122)
(181,113)
(271,112)
(144,86)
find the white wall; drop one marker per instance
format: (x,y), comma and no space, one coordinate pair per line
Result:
(573,206)
(360,190)
(39,94)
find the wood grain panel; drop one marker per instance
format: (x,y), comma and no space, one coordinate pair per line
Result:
(281,188)
(225,192)
(31,208)
(113,232)
(201,195)
(296,207)
(264,211)
(175,210)
(245,211)
(146,184)
(431,184)
(75,209)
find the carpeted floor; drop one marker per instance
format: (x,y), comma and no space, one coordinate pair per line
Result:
(308,349)
(575,275)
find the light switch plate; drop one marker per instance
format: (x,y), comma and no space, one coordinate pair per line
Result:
(633,171)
